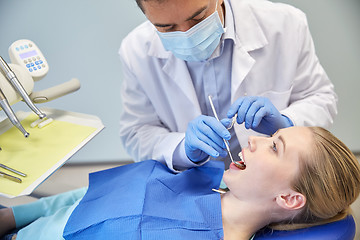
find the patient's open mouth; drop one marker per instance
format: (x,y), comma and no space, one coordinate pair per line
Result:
(241,164)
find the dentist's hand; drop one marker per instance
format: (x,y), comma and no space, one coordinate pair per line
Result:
(259,114)
(204,137)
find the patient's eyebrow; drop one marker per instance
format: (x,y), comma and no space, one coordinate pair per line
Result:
(283,142)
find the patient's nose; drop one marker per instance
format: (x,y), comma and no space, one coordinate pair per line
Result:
(252,143)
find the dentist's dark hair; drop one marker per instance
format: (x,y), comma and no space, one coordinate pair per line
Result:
(140,5)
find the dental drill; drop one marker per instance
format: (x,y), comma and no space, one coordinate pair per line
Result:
(17,85)
(11,115)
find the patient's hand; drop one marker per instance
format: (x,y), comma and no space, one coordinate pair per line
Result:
(7,221)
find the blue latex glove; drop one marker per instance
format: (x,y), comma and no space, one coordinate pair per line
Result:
(259,114)
(204,137)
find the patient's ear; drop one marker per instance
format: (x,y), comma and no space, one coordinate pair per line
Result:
(291,201)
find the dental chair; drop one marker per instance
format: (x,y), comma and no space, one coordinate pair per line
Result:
(340,230)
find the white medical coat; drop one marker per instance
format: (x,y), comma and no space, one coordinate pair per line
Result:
(273,56)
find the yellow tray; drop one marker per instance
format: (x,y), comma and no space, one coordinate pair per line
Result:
(45,150)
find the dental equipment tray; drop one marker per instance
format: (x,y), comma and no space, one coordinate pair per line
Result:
(45,150)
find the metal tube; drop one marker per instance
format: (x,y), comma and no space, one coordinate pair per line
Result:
(17,85)
(11,115)
(237,164)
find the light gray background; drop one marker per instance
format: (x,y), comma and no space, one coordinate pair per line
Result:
(80,38)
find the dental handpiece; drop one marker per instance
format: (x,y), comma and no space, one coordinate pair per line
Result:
(11,115)
(17,85)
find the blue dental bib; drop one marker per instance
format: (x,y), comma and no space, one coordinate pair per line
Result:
(147,201)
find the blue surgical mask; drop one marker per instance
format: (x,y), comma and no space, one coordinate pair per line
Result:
(196,44)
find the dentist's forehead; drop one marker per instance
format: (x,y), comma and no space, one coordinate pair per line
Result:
(172,8)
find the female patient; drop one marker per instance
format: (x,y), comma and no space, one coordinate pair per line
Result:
(301,176)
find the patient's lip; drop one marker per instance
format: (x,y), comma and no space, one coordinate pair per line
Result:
(233,166)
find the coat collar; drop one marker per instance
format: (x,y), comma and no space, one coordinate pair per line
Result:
(249,36)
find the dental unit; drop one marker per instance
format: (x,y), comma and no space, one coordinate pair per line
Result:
(28,65)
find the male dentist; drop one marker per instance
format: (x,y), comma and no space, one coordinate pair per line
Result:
(255,58)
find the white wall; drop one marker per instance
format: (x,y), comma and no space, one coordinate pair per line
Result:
(80,38)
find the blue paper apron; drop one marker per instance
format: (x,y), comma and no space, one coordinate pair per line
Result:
(147,201)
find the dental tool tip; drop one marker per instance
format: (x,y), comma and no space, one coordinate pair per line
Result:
(241,165)
(24,132)
(42,115)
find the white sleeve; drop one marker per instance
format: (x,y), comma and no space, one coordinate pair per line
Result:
(142,133)
(313,99)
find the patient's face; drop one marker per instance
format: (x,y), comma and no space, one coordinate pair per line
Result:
(271,164)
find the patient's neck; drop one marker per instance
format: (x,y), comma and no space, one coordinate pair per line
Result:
(242,219)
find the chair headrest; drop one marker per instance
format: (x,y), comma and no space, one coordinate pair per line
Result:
(340,230)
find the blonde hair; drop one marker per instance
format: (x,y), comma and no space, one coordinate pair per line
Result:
(329,178)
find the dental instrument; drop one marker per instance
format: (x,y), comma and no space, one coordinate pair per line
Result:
(10,177)
(11,115)
(221,191)
(12,170)
(10,75)
(241,164)
(233,121)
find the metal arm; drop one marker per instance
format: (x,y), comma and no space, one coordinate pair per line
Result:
(17,85)
(11,115)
